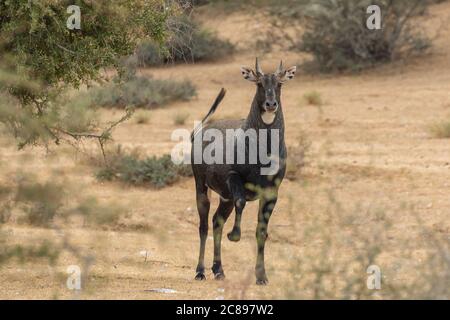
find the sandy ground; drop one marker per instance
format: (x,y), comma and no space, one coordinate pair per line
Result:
(370,144)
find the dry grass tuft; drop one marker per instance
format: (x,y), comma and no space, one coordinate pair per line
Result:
(180,118)
(313,98)
(296,158)
(142,117)
(441,130)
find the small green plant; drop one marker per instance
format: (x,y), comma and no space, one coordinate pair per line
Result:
(152,171)
(441,130)
(180,118)
(143,92)
(313,98)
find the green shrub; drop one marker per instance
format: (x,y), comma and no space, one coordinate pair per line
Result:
(142,92)
(41,202)
(148,54)
(335,32)
(188,43)
(154,171)
(95,213)
(44,250)
(41,60)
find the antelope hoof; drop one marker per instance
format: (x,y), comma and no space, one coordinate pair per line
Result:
(234,235)
(219,276)
(200,277)
(262,282)
(261,278)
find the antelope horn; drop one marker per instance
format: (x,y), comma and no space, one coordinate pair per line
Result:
(258,68)
(280,68)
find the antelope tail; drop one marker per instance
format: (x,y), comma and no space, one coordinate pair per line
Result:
(213,108)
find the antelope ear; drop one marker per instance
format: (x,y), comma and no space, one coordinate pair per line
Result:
(249,74)
(287,75)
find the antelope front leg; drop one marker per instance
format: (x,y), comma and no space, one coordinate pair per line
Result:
(237,189)
(203,205)
(219,219)
(265,211)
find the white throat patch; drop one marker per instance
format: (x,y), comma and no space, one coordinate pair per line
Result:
(268,117)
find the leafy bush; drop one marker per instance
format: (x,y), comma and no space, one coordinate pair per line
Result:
(40,58)
(142,92)
(154,171)
(41,202)
(188,43)
(335,32)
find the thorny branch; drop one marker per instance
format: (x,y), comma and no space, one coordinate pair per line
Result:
(102,137)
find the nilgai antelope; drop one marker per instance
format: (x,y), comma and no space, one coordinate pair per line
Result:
(237,183)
